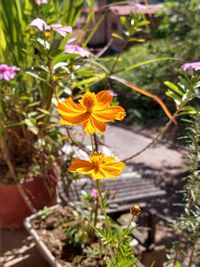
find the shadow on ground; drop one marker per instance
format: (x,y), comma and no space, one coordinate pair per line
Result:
(17,249)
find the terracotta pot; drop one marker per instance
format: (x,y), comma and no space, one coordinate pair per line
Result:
(13,209)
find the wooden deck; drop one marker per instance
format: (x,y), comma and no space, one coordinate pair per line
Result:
(122,192)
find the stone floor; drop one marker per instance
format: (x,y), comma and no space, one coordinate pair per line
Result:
(17,249)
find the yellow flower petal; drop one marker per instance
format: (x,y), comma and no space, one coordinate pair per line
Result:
(92,126)
(79,119)
(98,166)
(69,108)
(104,98)
(109,114)
(82,166)
(119,111)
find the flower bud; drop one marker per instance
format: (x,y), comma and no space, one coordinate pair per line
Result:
(135,210)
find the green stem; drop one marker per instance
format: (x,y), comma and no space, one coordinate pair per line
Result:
(128,226)
(177,250)
(97,200)
(92,143)
(102,206)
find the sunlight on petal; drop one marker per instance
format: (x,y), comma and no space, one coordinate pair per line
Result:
(104,98)
(96,106)
(98,166)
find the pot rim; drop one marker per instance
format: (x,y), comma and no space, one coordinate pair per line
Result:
(39,242)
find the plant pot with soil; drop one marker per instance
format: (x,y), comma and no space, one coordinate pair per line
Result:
(64,237)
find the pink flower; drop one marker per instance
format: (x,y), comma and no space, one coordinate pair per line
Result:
(40,24)
(191,66)
(43,26)
(76,49)
(40,2)
(8,72)
(112,93)
(94,193)
(60,29)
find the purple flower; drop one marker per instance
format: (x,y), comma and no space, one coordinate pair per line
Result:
(60,29)
(42,25)
(40,2)
(191,66)
(8,72)
(76,49)
(112,93)
(94,193)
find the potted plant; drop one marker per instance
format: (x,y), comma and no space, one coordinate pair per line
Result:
(27,177)
(27,151)
(65,236)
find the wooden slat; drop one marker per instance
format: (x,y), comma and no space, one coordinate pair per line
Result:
(137,197)
(121,191)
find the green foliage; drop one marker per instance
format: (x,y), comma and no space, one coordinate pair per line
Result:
(15,48)
(28,100)
(117,244)
(184,93)
(186,97)
(176,38)
(133,24)
(179,19)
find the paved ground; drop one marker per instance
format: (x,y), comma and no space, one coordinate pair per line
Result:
(17,248)
(126,143)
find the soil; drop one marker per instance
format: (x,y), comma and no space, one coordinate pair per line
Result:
(52,229)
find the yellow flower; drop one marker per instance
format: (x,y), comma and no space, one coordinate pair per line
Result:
(92,111)
(98,166)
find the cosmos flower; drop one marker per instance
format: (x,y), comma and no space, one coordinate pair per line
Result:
(8,72)
(91,111)
(191,66)
(42,25)
(98,166)
(76,49)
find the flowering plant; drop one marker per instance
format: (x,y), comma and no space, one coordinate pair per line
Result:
(186,97)
(27,89)
(93,111)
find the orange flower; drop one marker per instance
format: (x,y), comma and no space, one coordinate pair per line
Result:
(98,166)
(92,111)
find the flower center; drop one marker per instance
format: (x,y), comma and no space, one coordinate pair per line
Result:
(2,70)
(89,100)
(97,160)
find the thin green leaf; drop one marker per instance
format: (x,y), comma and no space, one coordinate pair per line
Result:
(116,35)
(173,87)
(88,81)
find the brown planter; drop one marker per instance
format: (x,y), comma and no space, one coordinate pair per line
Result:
(13,209)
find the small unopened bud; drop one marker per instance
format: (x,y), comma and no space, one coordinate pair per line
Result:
(135,210)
